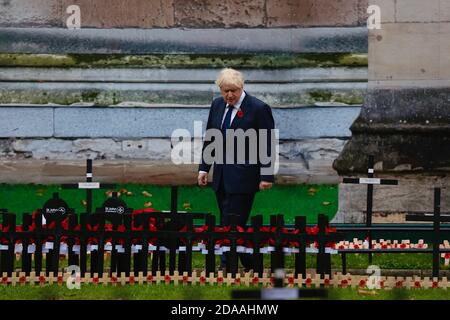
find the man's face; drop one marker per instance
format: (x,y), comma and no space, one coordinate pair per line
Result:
(230,93)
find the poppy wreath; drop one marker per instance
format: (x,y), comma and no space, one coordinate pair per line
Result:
(135,226)
(195,241)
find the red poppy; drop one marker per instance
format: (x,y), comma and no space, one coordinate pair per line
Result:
(240,114)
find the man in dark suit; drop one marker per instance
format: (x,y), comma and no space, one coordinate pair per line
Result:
(236,182)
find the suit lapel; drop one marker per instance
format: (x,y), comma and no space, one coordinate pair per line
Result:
(220,114)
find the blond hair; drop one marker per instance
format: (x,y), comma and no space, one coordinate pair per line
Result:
(229,76)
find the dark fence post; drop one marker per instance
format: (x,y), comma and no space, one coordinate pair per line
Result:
(210,258)
(7,259)
(100,220)
(92,221)
(116,220)
(38,240)
(144,257)
(273,224)
(189,239)
(436,230)
(300,257)
(323,259)
(173,199)
(278,255)
(159,257)
(232,259)
(369,205)
(258,260)
(54,253)
(127,254)
(172,241)
(83,244)
(27,221)
(73,257)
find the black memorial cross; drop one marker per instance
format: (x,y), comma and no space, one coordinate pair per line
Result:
(113,209)
(54,211)
(436,218)
(370,181)
(89,185)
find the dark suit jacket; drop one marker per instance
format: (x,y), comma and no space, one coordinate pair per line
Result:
(240,178)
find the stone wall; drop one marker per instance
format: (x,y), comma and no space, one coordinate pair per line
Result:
(146,160)
(115,90)
(405,118)
(185,13)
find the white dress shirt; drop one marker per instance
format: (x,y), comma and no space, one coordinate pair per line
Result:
(235,110)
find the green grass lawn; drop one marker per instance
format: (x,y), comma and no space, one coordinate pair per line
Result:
(290,201)
(416,261)
(196,292)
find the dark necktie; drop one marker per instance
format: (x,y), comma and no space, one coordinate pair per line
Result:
(227,121)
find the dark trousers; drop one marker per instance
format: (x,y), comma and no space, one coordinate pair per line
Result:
(239,204)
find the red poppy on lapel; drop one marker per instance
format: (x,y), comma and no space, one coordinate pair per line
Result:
(240,114)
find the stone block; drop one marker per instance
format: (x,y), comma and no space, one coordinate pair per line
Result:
(122,14)
(315,122)
(417,11)
(23,13)
(444,63)
(26,122)
(219,13)
(444,11)
(406,51)
(124,122)
(313,13)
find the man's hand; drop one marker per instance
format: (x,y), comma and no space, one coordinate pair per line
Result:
(265,185)
(202,179)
